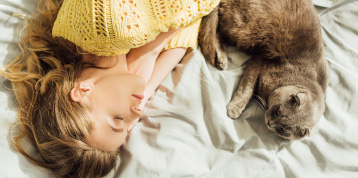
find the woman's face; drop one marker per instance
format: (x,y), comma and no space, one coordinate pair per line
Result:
(114,104)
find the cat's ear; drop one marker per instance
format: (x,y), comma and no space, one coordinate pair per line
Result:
(298,98)
(305,132)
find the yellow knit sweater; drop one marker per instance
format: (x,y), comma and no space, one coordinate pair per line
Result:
(113,27)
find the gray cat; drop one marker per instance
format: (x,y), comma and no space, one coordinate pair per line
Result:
(287,69)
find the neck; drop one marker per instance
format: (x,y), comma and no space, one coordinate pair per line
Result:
(103,66)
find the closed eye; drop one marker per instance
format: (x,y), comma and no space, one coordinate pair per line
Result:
(118,118)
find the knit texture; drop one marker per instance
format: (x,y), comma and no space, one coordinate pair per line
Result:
(113,27)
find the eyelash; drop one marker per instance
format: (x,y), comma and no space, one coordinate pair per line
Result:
(119,118)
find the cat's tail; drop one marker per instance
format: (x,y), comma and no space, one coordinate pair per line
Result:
(212,47)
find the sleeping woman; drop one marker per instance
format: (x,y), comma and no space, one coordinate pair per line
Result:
(85,71)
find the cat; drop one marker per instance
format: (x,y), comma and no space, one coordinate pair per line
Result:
(287,69)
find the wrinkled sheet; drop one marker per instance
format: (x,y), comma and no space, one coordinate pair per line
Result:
(185,131)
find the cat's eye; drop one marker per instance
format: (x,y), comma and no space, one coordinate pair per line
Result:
(278,111)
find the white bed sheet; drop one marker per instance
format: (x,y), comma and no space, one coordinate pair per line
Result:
(186,132)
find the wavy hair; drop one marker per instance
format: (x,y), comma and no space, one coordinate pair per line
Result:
(42,77)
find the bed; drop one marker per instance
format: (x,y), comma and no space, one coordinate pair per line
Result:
(185,131)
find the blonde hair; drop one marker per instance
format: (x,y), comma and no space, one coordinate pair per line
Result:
(42,77)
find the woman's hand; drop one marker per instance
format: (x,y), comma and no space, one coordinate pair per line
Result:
(165,63)
(144,61)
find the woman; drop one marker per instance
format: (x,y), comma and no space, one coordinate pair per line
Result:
(85,71)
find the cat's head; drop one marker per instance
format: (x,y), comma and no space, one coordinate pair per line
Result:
(292,112)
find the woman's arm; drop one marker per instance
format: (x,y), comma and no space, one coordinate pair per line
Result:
(165,63)
(141,61)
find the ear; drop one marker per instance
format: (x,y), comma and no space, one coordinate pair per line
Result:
(302,132)
(82,90)
(298,98)
(305,132)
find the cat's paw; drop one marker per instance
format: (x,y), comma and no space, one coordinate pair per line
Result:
(210,56)
(234,110)
(221,60)
(216,55)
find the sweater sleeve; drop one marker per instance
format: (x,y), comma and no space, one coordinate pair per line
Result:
(186,38)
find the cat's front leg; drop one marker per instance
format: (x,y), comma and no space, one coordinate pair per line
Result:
(245,91)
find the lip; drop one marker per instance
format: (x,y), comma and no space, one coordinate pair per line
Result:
(138,97)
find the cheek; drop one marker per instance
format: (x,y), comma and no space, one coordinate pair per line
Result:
(270,115)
